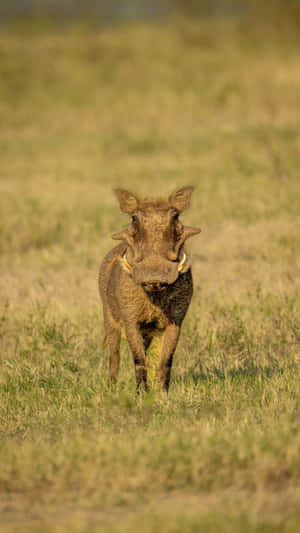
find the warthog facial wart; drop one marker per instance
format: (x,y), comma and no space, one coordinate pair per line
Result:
(146,281)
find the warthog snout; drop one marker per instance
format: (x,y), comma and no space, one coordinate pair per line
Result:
(155,270)
(151,257)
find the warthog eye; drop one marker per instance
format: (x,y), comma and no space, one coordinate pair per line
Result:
(135,223)
(178,228)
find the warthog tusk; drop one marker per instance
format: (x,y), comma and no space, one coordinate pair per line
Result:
(125,264)
(182,262)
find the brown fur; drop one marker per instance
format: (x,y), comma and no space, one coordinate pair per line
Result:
(146,283)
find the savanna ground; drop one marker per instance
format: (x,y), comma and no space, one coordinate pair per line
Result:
(83,109)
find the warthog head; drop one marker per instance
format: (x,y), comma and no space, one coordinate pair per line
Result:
(155,255)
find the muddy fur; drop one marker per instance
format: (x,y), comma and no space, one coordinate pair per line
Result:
(146,281)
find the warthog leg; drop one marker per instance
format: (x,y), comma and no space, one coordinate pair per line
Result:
(113,340)
(147,341)
(169,346)
(136,344)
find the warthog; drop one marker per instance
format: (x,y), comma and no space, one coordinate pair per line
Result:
(146,281)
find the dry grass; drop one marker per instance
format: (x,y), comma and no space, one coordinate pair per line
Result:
(151,108)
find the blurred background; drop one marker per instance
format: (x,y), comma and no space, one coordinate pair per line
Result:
(120,10)
(132,10)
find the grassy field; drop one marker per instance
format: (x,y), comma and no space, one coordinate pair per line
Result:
(84,109)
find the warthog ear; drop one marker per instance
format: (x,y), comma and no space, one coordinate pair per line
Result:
(181,198)
(128,202)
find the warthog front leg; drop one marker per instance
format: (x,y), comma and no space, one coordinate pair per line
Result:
(136,344)
(169,346)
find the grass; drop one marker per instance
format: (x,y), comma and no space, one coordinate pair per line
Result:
(214,104)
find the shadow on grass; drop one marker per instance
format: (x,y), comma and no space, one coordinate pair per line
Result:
(240,374)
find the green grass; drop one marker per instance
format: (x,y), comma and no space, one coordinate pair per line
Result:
(83,109)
